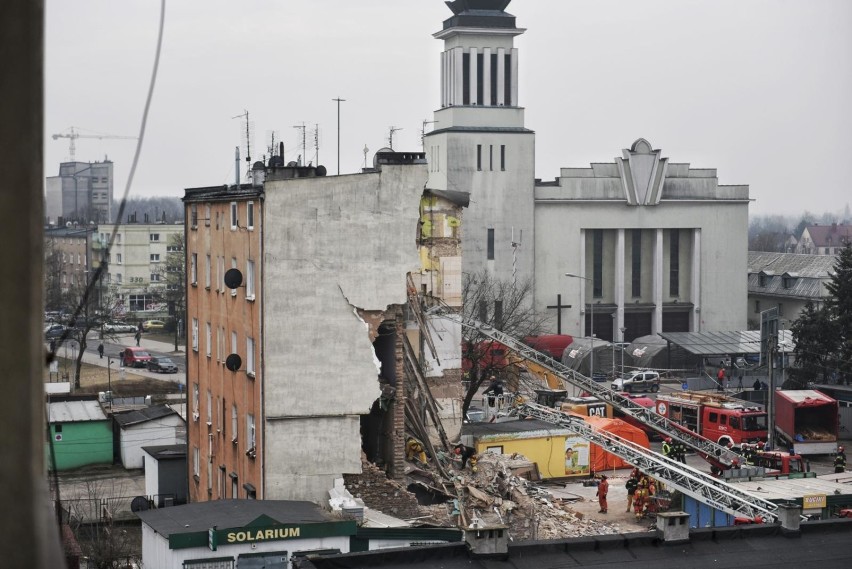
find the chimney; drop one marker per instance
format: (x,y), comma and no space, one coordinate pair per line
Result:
(486,540)
(673,527)
(790,516)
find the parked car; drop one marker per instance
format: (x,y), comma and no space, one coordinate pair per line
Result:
(134,357)
(150,325)
(119,327)
(52,331)
(639,380)
(162,365)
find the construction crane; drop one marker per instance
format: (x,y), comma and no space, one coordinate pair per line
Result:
(73,135)
(720,457)
(687,480)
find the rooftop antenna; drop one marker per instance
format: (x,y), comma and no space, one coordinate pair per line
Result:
(304,150)
(393,129)
(366,151)
(272,139)
(316,141)
(423,133)
(248,133)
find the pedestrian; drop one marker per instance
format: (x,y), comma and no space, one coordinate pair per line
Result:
(603,489)
(53,346)
(101,350)
(138,337)
(632,484)
(720,379)
(840,461)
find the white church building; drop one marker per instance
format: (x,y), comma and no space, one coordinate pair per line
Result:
(655,245)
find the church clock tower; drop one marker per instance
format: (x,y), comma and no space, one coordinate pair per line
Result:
(479,144)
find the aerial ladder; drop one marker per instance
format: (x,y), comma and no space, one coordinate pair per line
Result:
(720,457)
(687,480)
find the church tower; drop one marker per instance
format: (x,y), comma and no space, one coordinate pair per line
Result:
(479,144)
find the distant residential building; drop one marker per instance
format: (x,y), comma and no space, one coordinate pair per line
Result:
(135,265)
(786,281)
(82,192)
(824,239)
(68,251)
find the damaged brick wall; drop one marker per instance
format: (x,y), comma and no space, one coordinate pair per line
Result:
(380,493)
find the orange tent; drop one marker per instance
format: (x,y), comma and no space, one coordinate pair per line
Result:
(601,460)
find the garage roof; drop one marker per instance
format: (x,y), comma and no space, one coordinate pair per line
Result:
(723,343)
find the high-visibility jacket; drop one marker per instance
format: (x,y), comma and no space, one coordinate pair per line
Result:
(667,449)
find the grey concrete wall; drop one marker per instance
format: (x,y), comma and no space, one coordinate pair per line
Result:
(331,246)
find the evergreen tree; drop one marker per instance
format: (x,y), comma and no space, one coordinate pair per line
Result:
(816,341)
(840,307)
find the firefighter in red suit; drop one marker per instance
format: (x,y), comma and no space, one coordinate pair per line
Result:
(603,488)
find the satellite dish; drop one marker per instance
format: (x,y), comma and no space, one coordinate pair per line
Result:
(139,504)
(233,278)
(321,171)
(233,362)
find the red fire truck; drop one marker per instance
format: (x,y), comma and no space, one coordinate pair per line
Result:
(716,417)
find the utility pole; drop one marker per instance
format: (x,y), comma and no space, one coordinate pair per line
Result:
(338,100)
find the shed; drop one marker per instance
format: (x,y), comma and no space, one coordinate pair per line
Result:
(157,425)
(165,474)
(80,434)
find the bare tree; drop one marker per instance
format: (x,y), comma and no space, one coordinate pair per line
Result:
(503,305)
(172,288)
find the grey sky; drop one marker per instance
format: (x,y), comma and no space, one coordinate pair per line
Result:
(759,89)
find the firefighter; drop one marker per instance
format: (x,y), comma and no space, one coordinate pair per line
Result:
(640,497)
(748,452)
(603,489)
(680,452)
(466,453)
(667,448)
(840,461)
(631,485)
(414,449)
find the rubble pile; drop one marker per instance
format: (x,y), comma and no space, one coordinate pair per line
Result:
(495,495)
(380,493)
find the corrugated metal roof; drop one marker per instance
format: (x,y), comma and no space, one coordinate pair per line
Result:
(808,271)
(723,343)
(75,411)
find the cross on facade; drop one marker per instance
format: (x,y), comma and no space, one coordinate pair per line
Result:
(559,307)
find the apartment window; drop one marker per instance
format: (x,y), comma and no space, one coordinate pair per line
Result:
(220,274)
(195,398)
(250,280)
(234,218)
(234,342)
(117,258)
(597,260)
(207,273)
(117,278)
(218,344)
(250,357)
(155,277)
(479,157)
(118,237)
(490,245)
(195,334)
(250,215)
(193,216)
(491,157)
(761,279)
(636,254)
(209,339)
(79,262)
(674,262)
(207,215)
(173,248)
(155,257)
(196,461)
(235,486)
(250,431)
(193,269)
(233,266)
(780,309)
(209,408)
(503,157)
(234,423)
(154,237)
(757,307)
(223,485)
(465,79)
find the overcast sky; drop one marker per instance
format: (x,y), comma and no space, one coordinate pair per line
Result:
(759,89)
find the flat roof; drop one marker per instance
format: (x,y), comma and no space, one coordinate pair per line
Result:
(531,427)
(792,488)
(200,516)
(724,343)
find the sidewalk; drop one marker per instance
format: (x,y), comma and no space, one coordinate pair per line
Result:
(162,347)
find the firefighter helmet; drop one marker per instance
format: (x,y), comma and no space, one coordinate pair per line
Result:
(839,449)
(668,439)
(760,444)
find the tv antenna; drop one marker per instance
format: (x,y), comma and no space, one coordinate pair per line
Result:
(304,141)
(366,151)
(248,133)
(392,129)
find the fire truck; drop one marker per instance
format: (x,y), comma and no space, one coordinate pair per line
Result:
(716,417)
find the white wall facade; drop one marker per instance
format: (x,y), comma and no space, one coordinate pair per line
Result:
(162,431)
(332,246)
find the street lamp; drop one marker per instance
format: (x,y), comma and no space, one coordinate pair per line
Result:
(592,304)
(109,381)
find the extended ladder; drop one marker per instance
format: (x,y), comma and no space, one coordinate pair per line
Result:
(718,455)
(703,487)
